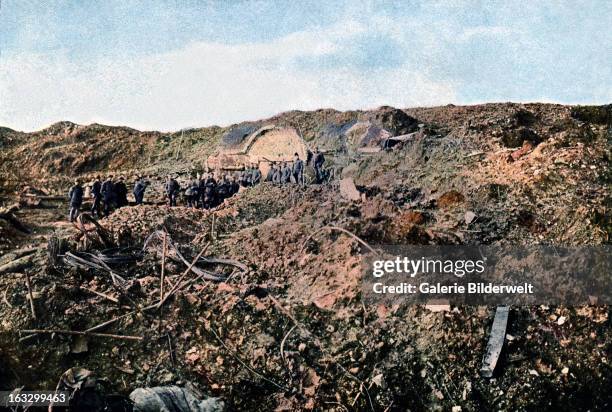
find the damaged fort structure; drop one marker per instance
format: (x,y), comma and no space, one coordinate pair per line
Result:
(250,144)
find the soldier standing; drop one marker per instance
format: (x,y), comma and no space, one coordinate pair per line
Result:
(139,189)
(202,189)
(298,169)
(234,187)
(276,177)
(96,192)
(270,175)
(172,189)
(255,175)
(121,192)
(191,193)
(108,191)
(222,190)
(245,177)
(208,197)
(317,163)
(76,200)
(285,175)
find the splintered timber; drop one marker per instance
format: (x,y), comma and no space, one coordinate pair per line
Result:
(469,288)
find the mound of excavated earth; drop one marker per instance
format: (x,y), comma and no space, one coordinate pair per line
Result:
(282,325)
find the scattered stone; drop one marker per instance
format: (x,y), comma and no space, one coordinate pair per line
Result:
(378,380)
(412,337)
(469,217)
(348,190)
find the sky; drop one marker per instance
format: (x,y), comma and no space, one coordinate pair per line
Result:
(167,65)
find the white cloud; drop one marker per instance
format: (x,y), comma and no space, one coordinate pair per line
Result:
(205,83)
(487,31)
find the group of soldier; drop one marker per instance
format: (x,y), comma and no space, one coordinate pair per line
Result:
(294,173)
(205,192)
(106,195)
(200,192)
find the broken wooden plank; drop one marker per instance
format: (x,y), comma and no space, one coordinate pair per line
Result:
(17,265)
(16,254)
(496,341)
(46,197)
(438,305)
(81,333)
(476,153)
(30,294)
(404,137)
(7,214)
(103,295)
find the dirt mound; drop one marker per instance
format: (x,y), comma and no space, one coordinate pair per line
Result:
(450,198)
(290,330)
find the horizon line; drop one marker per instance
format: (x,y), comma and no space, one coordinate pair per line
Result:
(146,130)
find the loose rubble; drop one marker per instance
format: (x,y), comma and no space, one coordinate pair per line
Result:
(286,329)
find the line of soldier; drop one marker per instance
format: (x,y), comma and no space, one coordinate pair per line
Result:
(201,192)
(207,192)
(294,172)
(107,195)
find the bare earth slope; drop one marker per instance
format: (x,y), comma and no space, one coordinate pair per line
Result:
(530,174)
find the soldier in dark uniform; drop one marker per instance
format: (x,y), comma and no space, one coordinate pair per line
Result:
(276,177)
(245,177)
(234,187)
(255,175)
(191,193)
(201,188)
(76,200)
(298,169)
(121,192)
(285,175)
(270,175)
(96,193)
(139,190)
(210,180)
(208,196)
(172,190)
(317,163)
(108,192)
(222,190)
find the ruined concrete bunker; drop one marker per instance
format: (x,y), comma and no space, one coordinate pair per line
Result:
(262,146)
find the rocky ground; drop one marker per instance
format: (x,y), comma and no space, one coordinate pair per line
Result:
(290,331)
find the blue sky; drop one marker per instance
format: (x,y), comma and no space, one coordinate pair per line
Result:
(171,64)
